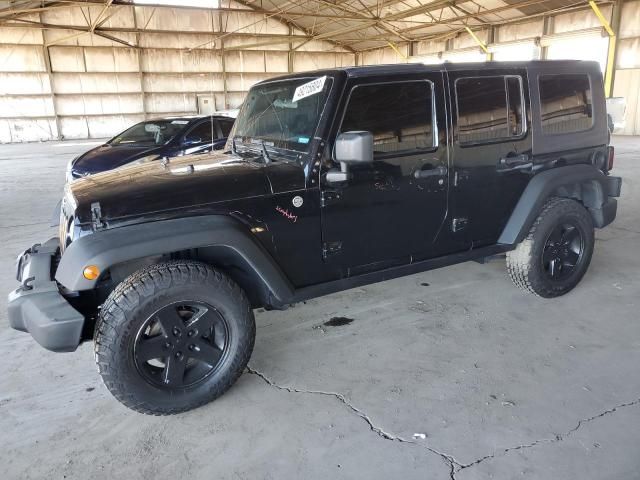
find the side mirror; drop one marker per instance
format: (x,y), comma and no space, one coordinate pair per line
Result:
(352,148)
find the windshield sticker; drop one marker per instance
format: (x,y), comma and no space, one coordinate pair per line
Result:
(180,122)
(310,88)
(303,139)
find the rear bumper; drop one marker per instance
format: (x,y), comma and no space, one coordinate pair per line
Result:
(38,307)
(606,214)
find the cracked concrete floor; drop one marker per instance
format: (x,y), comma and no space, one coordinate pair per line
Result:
(500,384)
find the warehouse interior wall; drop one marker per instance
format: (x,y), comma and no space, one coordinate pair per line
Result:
(56,83)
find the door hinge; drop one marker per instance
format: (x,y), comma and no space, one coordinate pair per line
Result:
(459,224)
(331,248)
(96,216)
(328,196)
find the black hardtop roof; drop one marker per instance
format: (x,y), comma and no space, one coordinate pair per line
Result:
(561,66)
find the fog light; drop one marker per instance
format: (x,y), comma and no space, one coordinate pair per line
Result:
(91,272)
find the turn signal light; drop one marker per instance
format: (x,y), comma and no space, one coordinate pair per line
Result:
(91,272)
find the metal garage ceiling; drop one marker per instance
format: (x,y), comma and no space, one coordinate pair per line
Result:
(354,24)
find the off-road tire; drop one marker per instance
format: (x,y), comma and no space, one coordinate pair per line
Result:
(130,305)
(525,264)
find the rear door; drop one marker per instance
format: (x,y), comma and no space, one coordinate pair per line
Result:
(491,151)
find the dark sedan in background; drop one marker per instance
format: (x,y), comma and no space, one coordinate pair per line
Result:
(152,140)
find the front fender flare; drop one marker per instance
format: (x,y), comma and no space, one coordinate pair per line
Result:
(107,248)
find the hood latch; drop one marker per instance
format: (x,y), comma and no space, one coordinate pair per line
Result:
(96,216)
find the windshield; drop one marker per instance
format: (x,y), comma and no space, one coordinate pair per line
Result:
(283,113)
(155,132)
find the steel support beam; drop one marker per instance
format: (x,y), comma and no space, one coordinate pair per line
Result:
(613,40)
(47,64)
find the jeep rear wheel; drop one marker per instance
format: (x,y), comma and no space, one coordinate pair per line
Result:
(556,253)
(173,337)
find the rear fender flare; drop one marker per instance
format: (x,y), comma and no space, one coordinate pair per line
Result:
(584,183)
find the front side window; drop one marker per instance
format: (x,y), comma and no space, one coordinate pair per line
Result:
(565,103)
(399,115)
(202,133)
(283,114)
(489,109)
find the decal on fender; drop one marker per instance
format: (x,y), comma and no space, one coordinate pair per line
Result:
(287,214)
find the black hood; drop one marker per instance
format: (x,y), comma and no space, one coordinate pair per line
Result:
(188,182)
(106,157)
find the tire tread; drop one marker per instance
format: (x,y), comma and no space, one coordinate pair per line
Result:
(521,261)
(143,284)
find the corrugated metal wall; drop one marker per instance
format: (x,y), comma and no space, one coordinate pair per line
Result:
(88,86)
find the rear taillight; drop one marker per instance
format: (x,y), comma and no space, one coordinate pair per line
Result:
(611,153)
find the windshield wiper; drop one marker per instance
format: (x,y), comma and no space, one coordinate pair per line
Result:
(265,154)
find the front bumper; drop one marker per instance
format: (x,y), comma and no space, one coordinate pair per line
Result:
(38,307)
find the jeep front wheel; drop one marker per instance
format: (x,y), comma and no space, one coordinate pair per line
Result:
(173,336)
(556,253)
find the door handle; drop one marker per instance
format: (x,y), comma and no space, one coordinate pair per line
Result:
(439,171)
(514,162)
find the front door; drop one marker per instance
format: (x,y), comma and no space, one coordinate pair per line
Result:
(390,211)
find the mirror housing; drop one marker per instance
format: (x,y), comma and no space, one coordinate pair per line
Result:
(354,148)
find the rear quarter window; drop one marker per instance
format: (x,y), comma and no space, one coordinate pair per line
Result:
(565,103)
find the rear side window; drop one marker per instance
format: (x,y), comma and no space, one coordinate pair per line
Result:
(489,109)
(399,115)
(565,103)
(225,126)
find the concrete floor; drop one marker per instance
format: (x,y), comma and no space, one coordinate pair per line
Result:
(499,383)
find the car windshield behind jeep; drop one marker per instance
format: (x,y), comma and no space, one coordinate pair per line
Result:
(283,113)
(155,132)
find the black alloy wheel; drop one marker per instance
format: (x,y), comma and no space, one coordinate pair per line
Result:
(181,344)
(562,251)
(555,255)
(173,336)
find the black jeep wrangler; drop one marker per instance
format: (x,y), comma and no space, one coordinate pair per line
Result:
(329,180)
